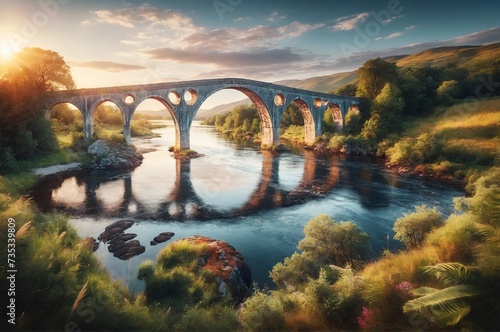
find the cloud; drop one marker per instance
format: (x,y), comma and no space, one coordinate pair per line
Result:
(237,39)
(394,35)
(241,19)
(477,38)
(107,66)
(133,17)
(257,57)
(349,22)
(392,18)
(275,16)
(411,27)
(169,37)
(130,42)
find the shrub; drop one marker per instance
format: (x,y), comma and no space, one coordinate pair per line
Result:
(337,142)
(209,319)
(411,229)
(331,242)
(294,271)
(8,162)
(424,149)
(454,239)
(353,122)
(263,312)
(25,145)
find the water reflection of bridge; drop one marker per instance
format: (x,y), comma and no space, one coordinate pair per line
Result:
(183,202)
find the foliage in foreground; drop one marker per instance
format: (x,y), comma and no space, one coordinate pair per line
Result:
(60,285)
(449,281)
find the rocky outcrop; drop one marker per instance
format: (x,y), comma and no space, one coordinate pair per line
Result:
(120,244)
(111,155)
(233,274)
(162,237)
(355,149)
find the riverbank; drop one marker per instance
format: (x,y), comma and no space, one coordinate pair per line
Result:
(54,169)
(263,239)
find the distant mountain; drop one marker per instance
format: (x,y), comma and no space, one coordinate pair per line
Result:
(468,56)
(476,57)
(220,109)
(163,113)
(322,83)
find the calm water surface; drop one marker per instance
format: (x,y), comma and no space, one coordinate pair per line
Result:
(256,201)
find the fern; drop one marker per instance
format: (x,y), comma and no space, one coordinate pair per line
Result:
(442,307)
(453,273)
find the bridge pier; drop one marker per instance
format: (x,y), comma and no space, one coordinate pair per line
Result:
(182,139)
(88,123)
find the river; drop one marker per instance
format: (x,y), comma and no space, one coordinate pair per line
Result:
(257,201)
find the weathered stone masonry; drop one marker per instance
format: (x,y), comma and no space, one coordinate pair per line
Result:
(183,100)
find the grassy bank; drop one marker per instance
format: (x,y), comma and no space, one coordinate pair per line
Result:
(61,285)
(450,143)
(471,128)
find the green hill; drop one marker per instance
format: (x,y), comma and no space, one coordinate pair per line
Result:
(476,57)
(479,58)
(322,83)
(467,56)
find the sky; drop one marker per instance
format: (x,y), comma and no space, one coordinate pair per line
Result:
(110,43)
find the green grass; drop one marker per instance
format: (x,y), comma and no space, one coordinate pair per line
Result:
(293,133)
(478,113)
(469,131)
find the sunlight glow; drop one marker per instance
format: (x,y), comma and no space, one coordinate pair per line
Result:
(6,50)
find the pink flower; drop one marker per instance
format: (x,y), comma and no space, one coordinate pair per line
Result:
(405,288)
(366,320)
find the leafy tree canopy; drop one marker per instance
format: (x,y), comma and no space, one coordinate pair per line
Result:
(373,76)
(334,242)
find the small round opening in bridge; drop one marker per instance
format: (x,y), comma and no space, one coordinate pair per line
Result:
(317,103)
(190,96)
(279,100)
(129,99)
(174,97)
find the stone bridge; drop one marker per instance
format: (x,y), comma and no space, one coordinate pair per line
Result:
(183,100)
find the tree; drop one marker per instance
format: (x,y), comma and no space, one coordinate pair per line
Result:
(353,122)
(25,80)
(447,92)
(411,229)
(39,71)
(292,117)
(385,113)
(373,76)
(332,242)
(346,90)
(414,92)
(256,125)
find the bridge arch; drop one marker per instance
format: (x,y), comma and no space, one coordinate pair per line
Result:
(162,101)
(309,124)
(51,107)
(337,115)
(105,102)
(268,137)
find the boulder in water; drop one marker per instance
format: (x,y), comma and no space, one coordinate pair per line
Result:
(112,155)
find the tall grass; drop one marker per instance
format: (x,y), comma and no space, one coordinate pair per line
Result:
(469,133)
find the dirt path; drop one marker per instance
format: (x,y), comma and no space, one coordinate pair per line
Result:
(56,169)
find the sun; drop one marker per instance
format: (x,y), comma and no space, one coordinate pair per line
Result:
(6,51)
